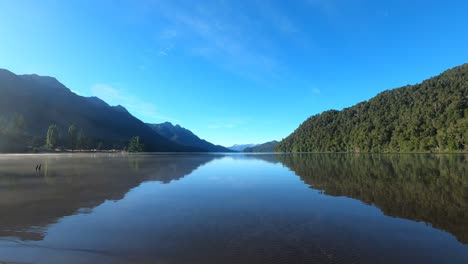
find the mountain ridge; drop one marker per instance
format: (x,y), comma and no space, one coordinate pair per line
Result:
(43,100)
(431,116)
(265,147)
(185,137)
(240,147)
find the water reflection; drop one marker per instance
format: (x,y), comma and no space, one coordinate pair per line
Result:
(429,188)
(66,185)
(233,209)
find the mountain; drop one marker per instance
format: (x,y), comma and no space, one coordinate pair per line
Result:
(428,117)
(185,137)
(240,147)
(30,103)
(265,147)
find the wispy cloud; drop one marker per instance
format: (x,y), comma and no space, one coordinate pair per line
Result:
(220,33)
(277,18)
(327,7)
(229,122)
(217,126)
(316,91)
(168,34)
(106,92)
(164,51)
(142,109)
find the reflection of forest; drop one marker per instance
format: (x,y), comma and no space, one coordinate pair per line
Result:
(429,188)
(30,200)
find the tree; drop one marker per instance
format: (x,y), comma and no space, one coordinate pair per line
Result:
(3,123)
(100,146)
(18,123)
(73,135)
(81,140)
(53,136)
(135,145)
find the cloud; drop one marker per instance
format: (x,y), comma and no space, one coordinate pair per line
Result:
(277,18)
(106,92)
(228,122)
(217,126)
(165,50)
(316,91)
(75,92)
(142,109)
(245,38)
(168,34)
(218,32)
(327,7)
(146,58)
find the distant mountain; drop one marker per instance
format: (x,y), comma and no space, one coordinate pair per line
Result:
(265,147)
(185,137)
(30,103)
(431,116)
(240,147)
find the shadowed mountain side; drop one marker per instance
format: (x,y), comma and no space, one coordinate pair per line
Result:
(265,147)
(428,188)
(68,185)
(41,101)
(185,137)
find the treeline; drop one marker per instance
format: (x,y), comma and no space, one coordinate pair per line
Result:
(14,138)
(427,117)
(265,147)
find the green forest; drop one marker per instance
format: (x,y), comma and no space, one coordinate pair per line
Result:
(15,138)
(427,117)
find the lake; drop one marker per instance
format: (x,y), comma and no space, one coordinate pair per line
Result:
(234,208)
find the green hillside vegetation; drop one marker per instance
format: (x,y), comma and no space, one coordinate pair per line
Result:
(265,147)
(427,117)
(39,112)
(185,137)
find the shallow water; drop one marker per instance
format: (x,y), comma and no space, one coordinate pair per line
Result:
(214,208)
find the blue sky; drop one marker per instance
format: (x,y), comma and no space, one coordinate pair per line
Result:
(233,71)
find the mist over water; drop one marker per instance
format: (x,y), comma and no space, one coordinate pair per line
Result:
(216,208)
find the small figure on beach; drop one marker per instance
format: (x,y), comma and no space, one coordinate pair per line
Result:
(38,167)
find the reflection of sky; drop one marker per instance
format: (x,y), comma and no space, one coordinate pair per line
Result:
(241,204)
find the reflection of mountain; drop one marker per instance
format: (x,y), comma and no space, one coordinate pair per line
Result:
(270,158)
(429,188)
(29,201)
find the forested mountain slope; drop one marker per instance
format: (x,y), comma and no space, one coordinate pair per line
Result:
(431,116)
(30,103)
(185,137)
(265,147)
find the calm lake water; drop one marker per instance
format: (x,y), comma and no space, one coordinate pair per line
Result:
(214,208)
